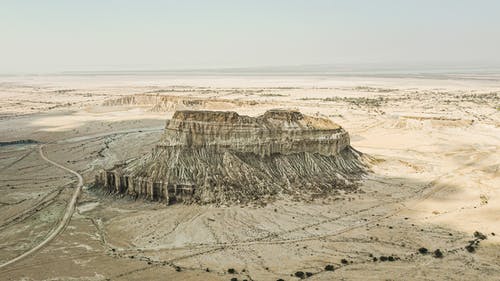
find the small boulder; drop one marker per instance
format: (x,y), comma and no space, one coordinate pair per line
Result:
(470,248)
(299,274)
(480,236)
(438,254)
(423,250)
(329,268)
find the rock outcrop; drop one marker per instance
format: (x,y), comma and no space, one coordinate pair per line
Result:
(224,157)
(159,103)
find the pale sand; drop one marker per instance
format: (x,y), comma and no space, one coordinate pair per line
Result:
(437,182)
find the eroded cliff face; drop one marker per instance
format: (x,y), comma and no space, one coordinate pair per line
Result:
(156,102)
(222,157)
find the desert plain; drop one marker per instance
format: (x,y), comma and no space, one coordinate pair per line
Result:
(429,209)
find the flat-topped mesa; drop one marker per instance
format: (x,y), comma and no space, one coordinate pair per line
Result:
(222,157)
(277,131)
(162,102)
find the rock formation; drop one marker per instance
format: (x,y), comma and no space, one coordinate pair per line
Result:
(224,157)
(156,102)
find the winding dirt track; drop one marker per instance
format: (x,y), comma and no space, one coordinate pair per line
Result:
(72,203)
(65,218)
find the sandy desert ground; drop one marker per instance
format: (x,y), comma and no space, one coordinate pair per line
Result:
(435,183)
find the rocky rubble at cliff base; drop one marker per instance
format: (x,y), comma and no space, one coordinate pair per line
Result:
(222,157)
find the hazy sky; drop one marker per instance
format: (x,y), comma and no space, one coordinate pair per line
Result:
(47,36)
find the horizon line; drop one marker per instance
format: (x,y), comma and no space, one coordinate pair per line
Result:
(304,69)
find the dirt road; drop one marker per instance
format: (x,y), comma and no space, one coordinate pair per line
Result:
(72,203)
(65,218)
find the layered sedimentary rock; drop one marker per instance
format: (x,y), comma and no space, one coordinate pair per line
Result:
(224,157)
(156,102)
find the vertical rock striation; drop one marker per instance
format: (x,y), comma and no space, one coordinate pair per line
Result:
(224,157)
